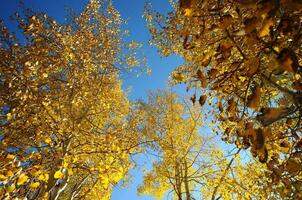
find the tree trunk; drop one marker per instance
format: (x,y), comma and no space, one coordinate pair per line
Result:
(186,181)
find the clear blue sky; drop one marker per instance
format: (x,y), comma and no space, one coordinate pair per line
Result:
(132,11)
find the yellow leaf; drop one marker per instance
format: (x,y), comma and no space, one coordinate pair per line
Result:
(265,29)
(22,179)
(105,182)
(43,177)
(179,77)
(11,188)
(44,75)
(47,141)
(10,156)
(71,56)
(9,173)
(2,177)
(58,175)
(70,172)
(34,185)
(188,12)
(9,116)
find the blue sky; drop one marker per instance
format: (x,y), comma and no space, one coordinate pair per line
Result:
(132,11)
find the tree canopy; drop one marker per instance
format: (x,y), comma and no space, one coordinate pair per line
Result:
(66,123)
(247,54)
(69,131)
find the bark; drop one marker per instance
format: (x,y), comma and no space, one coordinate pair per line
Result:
(186,181)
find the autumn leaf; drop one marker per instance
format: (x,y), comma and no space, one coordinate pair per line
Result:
(266,26)
(2,177)
(43,177)
(23,178)
(206,61)
(34,185)
(193,99)
(188,12)
(201,77)
(259,139)
(251,65)
(10,156)
(293,166)
(179,77)
(184,4)
(202,100)
(250,24)
(297,85)
(254,98)
(270,115)
(231,105)
(10,188)
(9,116)
(212,73)
(288,60)
(263,155)
(225,21)
(58,175)
(220,107)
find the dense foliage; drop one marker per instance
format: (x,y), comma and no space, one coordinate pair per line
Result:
(65,124)
(69,131)
(247,54)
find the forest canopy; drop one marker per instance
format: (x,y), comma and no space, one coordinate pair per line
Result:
(68,129)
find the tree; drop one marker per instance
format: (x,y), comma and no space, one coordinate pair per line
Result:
(176,143)
(247,53)
(187,161)
(65,123)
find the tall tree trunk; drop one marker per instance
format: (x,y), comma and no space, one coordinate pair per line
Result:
(186,181)
(178,182)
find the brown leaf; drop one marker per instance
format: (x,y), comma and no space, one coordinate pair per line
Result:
(269,115)
(259,140)
(220,107)
(297,85)
(184,4)
(288,60)
(251,65)
(225,21)
(202,99)
(193,98)
(232,105)
(293,166)
(206,61)
(250,24)
(263,155)
(254,98)
(212,73)
(225,48)
(285,144)
(299,144)
(200,75)
(202,78)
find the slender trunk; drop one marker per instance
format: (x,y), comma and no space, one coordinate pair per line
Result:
(186,181)
(59,187)
(178,182)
